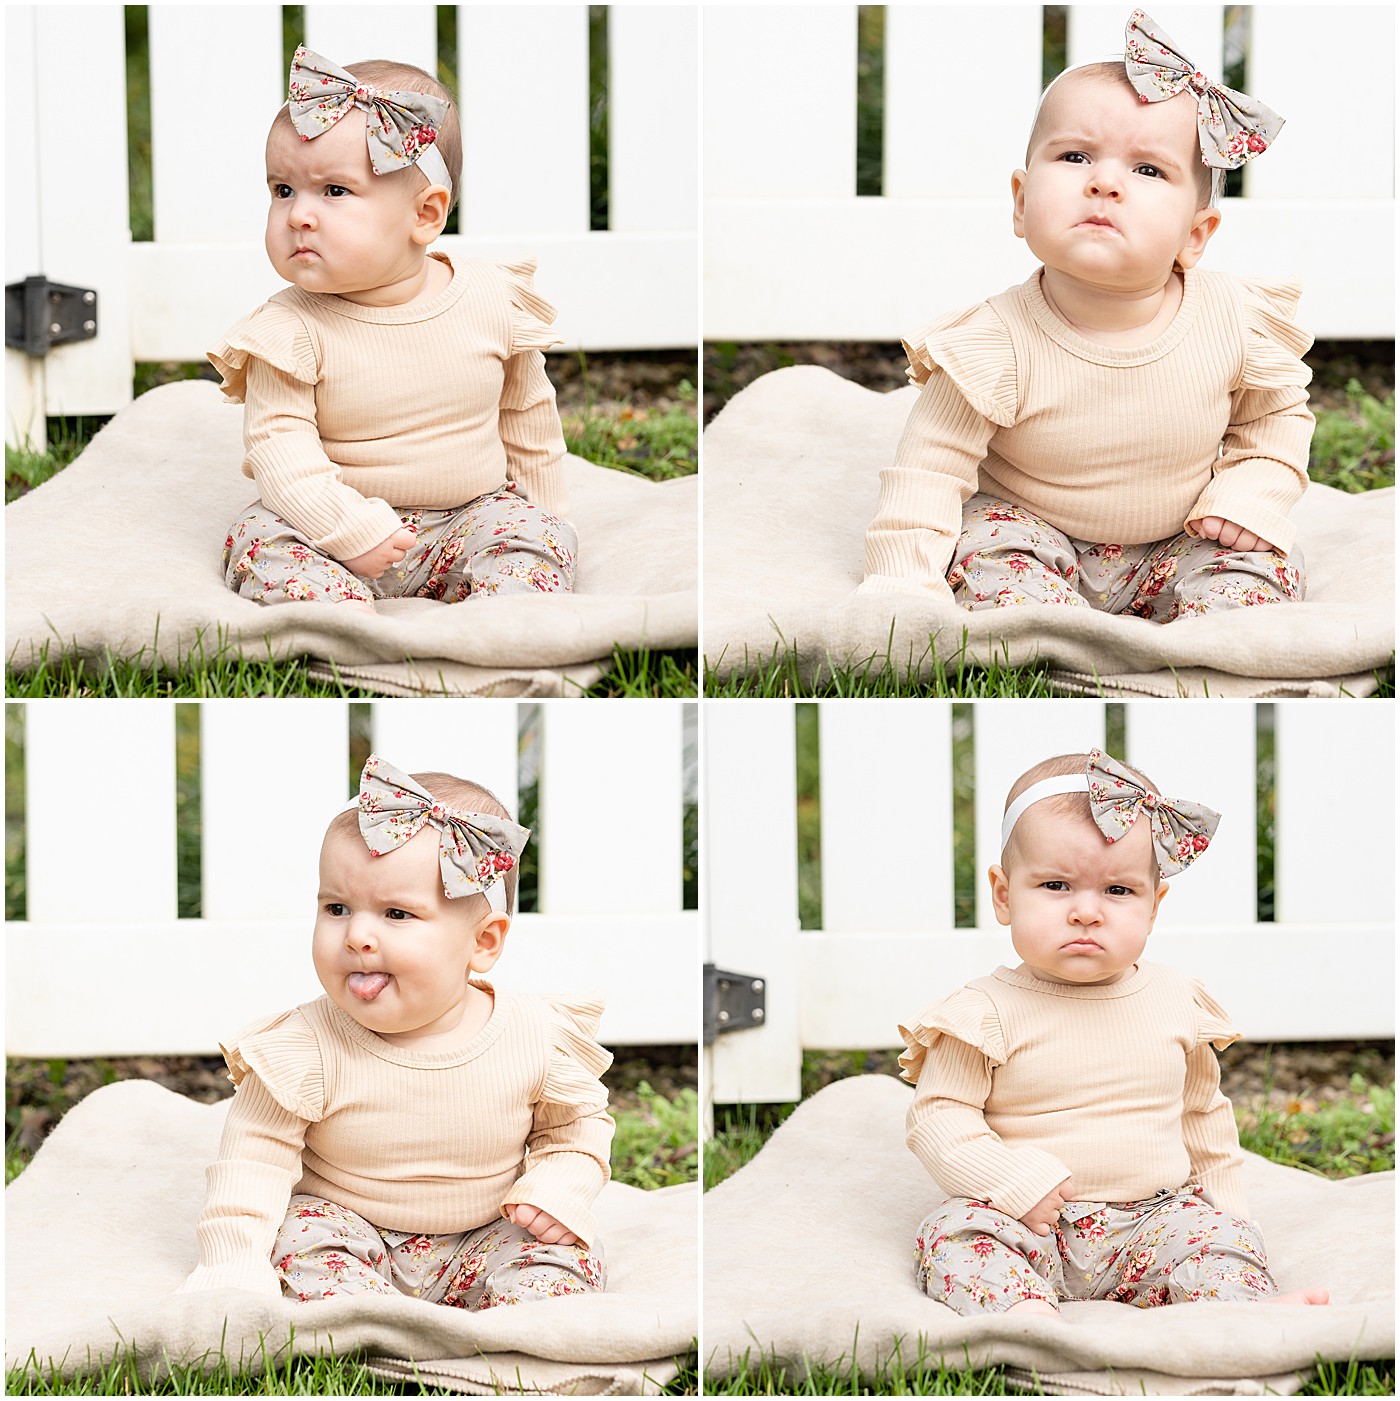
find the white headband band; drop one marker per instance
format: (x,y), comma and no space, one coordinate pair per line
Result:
(495,893)
(1046,788)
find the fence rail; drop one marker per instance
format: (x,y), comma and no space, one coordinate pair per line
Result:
(523,77)
(791,251)
(1323,968)
(103,965)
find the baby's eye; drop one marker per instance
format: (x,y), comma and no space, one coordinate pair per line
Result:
(1055,885)
(398,914)
(1073,157)
(335,909)
(281,192)
(1154,171)
(336,190)
(1120,890)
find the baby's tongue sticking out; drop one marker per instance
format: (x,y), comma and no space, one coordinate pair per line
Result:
(367,986)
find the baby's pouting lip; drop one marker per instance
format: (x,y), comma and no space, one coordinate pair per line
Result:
(1082,944)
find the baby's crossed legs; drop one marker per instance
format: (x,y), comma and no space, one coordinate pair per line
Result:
(1006,555)
(325,1250)
(1169,1249)
(499,543)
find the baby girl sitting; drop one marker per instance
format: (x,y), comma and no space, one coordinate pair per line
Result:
(414,1130)
(398,419)
(1123,430)
(1071,1107)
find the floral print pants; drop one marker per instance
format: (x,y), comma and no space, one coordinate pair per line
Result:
(1005,555)
(1169,1249)
(324,1250)
(499,543)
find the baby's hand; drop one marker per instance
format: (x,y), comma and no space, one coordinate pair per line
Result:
(384,555)
(1232,536)
(1042,1216)
(541,1225)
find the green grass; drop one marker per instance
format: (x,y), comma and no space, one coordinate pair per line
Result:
(657,1146)
(656,443)
(217,668)
(1353,449)
(279,1373)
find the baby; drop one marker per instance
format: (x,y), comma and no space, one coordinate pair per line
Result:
(414,1130)
(398,419)
(1123,430)
(1071,1107)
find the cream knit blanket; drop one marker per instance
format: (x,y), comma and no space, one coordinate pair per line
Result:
(120,554)
(792,475)
(124,1173)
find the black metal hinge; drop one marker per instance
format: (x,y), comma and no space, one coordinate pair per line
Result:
(733,1002)
(40,314)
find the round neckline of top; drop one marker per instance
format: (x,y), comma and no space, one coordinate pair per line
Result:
(1124,987)
(394,315)
(1033,294)
(431,1060)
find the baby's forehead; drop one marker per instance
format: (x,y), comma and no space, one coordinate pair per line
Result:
(1076,99)
(1059,832)
(340,145)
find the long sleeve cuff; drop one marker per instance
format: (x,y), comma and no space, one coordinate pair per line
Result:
(566,1186)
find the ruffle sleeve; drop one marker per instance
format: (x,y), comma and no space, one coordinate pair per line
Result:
(576,1059)
(967,1015)
(530,315)
(1212,1022)
(274,334)
(1274,343)
(973,347)
(283,1053)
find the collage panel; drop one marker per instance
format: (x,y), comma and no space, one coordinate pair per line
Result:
(464,1040)
(968,351)
(417,335)
(1053,1007)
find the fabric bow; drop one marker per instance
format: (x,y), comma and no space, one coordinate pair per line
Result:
(476,848)
(1181,830)
(400,127)
(1232,128)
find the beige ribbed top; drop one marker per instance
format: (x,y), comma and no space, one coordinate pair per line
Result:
(432,1142)
(1111,445)
(353,410)
(1023,1083)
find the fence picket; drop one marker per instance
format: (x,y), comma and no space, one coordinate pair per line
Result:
(886,788)
(100,807)
(348,33)
(780,107)
(921,41)
(1334,845)
(271,779)
(653,119)
(522,76)
(480,743)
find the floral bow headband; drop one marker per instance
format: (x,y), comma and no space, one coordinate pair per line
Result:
(1181,830)
(1232,128)
(400,127)
(475,848)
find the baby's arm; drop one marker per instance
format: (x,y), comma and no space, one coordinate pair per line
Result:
(299,481)
(1211,1136)
(909,545)
(1261,474)
(531,432)
(246,1194)
(948,1134)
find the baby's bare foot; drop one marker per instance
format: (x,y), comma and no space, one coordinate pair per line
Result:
(1035,1306)
(1300,1296)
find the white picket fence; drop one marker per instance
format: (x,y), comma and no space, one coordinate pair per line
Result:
(217,77)
(1324,969)
(102,965)
(791,252)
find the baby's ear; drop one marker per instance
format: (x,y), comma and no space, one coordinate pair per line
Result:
(1001,904)
(490,941)
(431,205)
